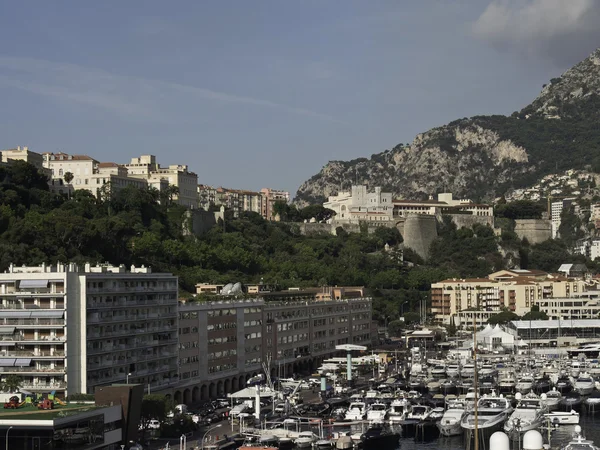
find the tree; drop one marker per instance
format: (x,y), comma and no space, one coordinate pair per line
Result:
(411,318)
(395,328)
(154,407)
(503,317)
(68,177)
(535,314)
(12,382)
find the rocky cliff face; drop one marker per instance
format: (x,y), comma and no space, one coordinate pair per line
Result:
(482,156)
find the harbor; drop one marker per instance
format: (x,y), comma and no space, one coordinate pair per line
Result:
(406,400)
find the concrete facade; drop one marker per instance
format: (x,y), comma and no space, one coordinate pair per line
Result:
(534,230)
(72,329)
(224,343)
(420,230)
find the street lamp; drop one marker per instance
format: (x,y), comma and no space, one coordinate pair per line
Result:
(128,375)
(207,431)
(9,428)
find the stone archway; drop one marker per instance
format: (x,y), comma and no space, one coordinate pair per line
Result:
(212,390)
(219,388)
(195,394)
(204,392)
(234,384)
(187,396)
(227,386)
(178,397)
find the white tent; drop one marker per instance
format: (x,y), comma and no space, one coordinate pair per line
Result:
(497,338)
(250,392)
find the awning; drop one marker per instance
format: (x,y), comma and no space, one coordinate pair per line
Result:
(22,362)
(7,330)
(7,362)
(59,313)
(29,284)
(15,314)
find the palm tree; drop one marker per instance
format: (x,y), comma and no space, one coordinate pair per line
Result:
(68,177)
(12,383)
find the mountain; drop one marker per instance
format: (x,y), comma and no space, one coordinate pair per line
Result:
(483,156)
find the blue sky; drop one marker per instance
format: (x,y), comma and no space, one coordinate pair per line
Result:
(255,94)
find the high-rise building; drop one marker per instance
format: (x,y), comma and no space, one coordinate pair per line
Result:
(72,329)
(269,198)
(556,210)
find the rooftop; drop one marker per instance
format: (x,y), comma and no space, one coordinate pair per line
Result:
(30,412)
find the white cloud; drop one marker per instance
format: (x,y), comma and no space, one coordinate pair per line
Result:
(132,97)
(563,30)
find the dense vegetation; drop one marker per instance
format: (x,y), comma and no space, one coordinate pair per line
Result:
(133,226)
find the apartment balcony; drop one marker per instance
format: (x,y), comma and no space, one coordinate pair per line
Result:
(35,293)
(32,370)
(58,354)
(22,323)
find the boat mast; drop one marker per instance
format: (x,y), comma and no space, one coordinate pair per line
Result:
(476,431)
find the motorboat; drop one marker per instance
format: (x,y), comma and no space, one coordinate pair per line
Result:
(492,412)
(356,411)
(584,384)
(553,398)
(448,387)
(488,370)
(542,385)
(434,386)
(438,371)
(453,370)
(579,442)
(436,414)
(528,415)
(563,384)
(592,403)
(306,439)
(398,410)
(377,413)
(590,350)
(468,371)
(487,384)
(571,401)
(562,417)
(323,444)
(506,382)
(419,412)
(525,384)
(449,425)
(379,438)
(438,400)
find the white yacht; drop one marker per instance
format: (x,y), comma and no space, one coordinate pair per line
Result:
(356,411)
(563,417)
(492,412)
(584,384)
(377,413)
(453,370)
(579,442)
(306,439)
(419,412)
(438,371)
(506,381)
(525,384)
(449,425)
(468,371)
(553,398)
(528,415)
(399,409)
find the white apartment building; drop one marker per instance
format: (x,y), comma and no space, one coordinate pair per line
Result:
(88,174)
(23,154)
(147,168)
(583,305)
(73,329)
(556,209)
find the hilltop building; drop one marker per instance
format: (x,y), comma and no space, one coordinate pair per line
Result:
(378,207)
(146,168)
(556,210)
(269,198)
(88,174)
(75,329)
(465,300)
(240,200)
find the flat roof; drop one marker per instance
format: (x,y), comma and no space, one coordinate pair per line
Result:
(537,324)
(30,412)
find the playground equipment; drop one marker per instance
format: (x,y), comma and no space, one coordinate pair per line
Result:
(13,403)
(45,404)
(60,402)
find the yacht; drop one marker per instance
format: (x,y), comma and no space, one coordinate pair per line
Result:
(492,412)
(553,399)
(377,413)
(379,438)
(528,415)
(306,439)
(419,413)
(398,410)
(434,386)
(453,370)
(579,442)
(356,411)
(563,418)
(506,382)
(449,425)
(468,370)
(584,384)
(525,384)
(591,351)
(563,384)
(438,371)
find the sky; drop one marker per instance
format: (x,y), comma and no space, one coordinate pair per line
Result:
(263,93)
